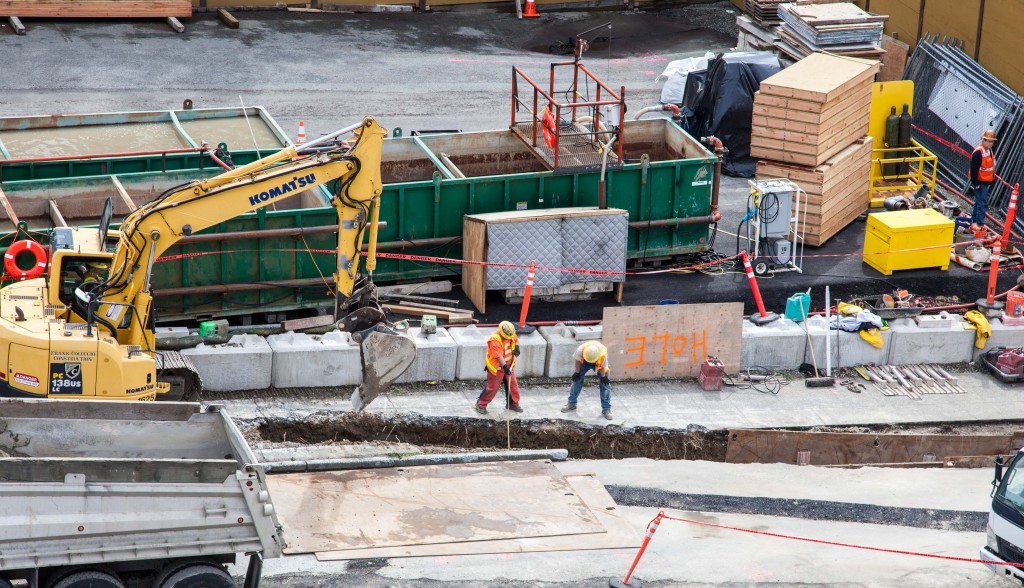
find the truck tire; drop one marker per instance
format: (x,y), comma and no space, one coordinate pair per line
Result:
(89,579)
(198,576)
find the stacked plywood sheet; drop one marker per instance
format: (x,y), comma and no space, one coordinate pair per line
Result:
(809,125)
(96,8)
(841,28)
(812,110)
(837,190)
(763,12)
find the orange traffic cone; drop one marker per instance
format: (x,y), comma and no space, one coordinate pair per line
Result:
(302,133)
(531,10)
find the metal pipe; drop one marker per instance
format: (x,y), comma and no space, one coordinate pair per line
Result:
(670,222)
(267,233)
(451,166)
(359,463)
(98,156)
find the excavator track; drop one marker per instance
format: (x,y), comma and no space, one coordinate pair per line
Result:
(178,370)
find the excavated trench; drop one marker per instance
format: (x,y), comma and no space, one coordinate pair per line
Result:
(581,440)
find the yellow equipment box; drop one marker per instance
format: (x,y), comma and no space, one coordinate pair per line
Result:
(894,240)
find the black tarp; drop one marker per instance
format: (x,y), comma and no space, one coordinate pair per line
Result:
(719,101)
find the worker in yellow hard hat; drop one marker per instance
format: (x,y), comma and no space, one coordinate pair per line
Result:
(591,355)
(982,173)
(500,363)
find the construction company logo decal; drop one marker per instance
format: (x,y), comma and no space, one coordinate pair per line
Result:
(26,380)
(699,177)
(65,378)
(296,183)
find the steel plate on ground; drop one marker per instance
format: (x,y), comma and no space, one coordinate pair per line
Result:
(328,511)
(618,534)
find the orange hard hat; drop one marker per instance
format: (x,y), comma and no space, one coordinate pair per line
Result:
(988,135)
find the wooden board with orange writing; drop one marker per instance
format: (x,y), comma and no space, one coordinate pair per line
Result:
(671,340)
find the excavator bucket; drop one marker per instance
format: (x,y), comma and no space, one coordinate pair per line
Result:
(386,355)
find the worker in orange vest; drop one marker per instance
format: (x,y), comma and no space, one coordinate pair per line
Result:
(591,355)
(983,173)
(500,362)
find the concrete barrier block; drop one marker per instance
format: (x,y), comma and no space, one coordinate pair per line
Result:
(171,332)
(1004,335)
(846,349)
(302,360)
(560,346)
(775,345)
(912,345)
(245,362)
(532,361)
(472,349)
(586,332)
(436,357)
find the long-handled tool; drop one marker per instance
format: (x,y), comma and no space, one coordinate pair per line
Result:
(816,381)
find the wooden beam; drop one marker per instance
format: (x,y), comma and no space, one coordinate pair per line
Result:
(227,18)
(124,194)
(307,323)
(97,8)
(7,207)
(55,216)
(16,25)
(175,24)
(415,311)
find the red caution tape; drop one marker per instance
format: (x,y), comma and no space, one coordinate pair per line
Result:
(954,148)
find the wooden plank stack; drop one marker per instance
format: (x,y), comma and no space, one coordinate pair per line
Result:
(96,8)
(837,190)
(841,28)
(809,125)
(763,12)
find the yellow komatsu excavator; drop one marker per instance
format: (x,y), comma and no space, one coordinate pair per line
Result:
(85,329)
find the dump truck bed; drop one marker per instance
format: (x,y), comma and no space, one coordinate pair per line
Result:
(103,482)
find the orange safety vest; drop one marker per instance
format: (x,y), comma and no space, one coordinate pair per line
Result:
(507,345)
(987,171)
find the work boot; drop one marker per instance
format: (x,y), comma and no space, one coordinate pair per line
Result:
(569,407)
(515,408)
(607,413)
(480,409)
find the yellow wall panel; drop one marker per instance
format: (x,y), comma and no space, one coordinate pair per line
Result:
(902,17)
(1000,41)
(955,19)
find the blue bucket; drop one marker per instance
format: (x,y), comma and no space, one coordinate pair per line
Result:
(669,301)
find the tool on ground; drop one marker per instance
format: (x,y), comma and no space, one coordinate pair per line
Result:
(817,381)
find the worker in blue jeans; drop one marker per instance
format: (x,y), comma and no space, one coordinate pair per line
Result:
(982,173)
(591,355)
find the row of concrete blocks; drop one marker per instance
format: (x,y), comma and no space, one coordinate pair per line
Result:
(782,344)
(296,360)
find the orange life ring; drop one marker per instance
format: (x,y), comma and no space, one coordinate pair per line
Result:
(38,268)
(548,125)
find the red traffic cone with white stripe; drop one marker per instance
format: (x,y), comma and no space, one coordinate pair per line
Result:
(531,10)
(302,133)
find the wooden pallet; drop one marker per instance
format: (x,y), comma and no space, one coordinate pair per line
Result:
(96,8)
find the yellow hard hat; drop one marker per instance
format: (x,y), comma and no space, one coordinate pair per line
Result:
(989,135)
(506,329)
(592,352)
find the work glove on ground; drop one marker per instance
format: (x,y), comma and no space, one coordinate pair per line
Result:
(576,377)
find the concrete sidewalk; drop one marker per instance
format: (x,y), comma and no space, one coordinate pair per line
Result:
(677,404)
